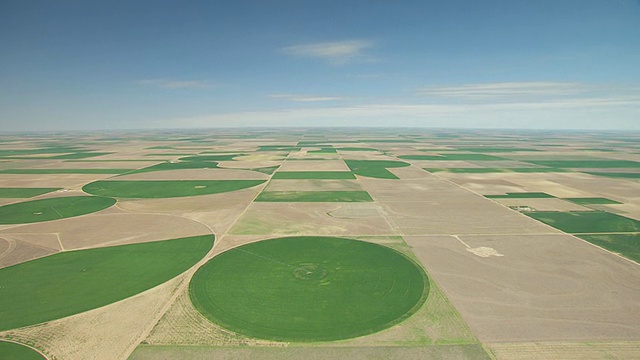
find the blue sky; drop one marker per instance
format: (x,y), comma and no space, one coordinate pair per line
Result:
(83,65)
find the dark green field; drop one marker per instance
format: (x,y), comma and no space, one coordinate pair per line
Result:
(592,201)
(624,244)
(308,289)
(71,282)
(12,351)
(375,168)
(314,196)
(52,209)
(166,188)
(200,158)
(577,222)
(522,195)
(24,192)
(322,175)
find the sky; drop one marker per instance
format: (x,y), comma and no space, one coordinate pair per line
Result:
(517,64)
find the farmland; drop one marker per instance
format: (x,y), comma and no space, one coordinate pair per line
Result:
(329,243)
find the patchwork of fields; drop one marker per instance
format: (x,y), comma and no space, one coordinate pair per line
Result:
(320,243)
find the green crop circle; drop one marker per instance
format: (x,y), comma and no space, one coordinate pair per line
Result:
(52,209)
(308,289)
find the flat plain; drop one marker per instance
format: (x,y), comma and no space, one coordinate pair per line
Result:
(320,243)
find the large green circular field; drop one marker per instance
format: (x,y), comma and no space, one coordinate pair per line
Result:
(165,188)
(71,282)
(52,209)
(309,289)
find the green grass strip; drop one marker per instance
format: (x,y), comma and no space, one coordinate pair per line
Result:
(627,245)
(13,351)
(166,188)
(52,209)
(452,157)
(313,175)
(72,282)
(521,195)
(577,222)
(64,171)
(314,196)
(592,201)
(617,175)
(375,168)
(20,193)
(494,170)
(81,155)
(201,158)
(602,164)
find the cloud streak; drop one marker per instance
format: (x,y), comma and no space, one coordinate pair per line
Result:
(176,84)
(337,53)
(305,98)
(506,89)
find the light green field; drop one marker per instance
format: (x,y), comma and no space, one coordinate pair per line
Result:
(13,351)
(71,282)
(494,170)
(308,289)
(52,209)
(627,245)
(166,188)
(314,196)
(24,192)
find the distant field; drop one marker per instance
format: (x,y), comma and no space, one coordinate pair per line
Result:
(314,196)
(52,209)
(329,175)
(602,164)
(308,289)
(166,188)
(450,157)
(168,166)
(592,201)
(494,170)
(621,175)
(71,282)
(64,171)
(522,195)
(24,192)
(375,168)
(577,222)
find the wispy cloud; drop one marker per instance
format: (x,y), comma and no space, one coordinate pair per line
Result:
(337,53)
(176,84)
(507,89)
(305,98)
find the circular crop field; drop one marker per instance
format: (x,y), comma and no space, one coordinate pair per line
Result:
(165,188)
(14,351)
(52,209)
(309,289)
